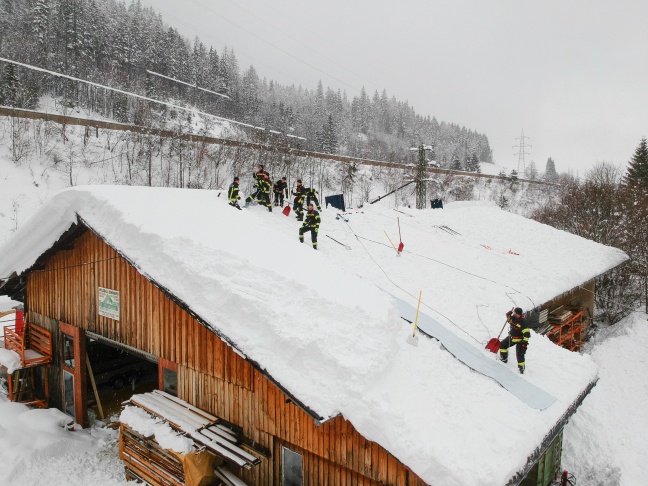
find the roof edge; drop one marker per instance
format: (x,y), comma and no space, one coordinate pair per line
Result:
(15,285)
(548,439)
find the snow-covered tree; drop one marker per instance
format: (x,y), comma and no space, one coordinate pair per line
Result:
(550,171)
(637,173)
(329,138)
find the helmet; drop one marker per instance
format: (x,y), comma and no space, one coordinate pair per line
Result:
(299,181)
(519,311)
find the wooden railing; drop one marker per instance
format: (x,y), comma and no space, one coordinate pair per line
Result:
(32,343)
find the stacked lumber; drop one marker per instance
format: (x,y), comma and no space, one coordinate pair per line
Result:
(560,315)
(146,460)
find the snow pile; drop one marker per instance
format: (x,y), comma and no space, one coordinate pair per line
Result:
(147,425)
(10,360)
(607,439)
(36,449)
(325,325)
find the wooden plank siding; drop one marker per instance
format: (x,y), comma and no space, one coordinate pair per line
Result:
(211,375)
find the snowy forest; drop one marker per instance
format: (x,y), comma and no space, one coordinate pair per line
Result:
(120,45)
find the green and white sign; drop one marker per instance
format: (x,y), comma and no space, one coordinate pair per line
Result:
(109,303)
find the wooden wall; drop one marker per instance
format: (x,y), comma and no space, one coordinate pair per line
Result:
(210,375)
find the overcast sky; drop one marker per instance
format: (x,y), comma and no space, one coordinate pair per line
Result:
(573,74)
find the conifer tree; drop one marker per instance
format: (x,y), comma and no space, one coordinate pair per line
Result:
(638,170)
(456,163)
(10,94)
(472,163)
(329,139)
(550,170)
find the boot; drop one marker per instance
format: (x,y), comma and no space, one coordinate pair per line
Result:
(521,369)
(270,208)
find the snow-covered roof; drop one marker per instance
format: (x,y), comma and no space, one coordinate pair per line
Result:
(326,326)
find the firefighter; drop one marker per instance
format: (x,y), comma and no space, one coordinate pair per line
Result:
(260,174)
(262,192)
(519,335)
(298,205)
(280,188)
(311,195)
(233,194)
(311,224)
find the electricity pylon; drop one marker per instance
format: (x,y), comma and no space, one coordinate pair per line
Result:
(521,167)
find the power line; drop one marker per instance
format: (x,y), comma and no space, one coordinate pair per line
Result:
(145,98)
(275,46)
(224,44)
(188,84)
(303,44)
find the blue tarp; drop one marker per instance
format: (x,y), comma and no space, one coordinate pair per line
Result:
(478,360)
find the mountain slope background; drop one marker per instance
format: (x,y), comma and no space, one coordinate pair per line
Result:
(123,46)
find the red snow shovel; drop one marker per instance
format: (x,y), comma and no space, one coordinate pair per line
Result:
(400,245)
(286,210)
(494,344)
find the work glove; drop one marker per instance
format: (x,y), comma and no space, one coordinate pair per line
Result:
(319,208)
(508,314)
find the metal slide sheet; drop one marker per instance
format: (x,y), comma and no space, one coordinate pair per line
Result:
(475,359)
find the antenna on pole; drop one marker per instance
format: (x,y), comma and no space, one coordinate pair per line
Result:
(521,167)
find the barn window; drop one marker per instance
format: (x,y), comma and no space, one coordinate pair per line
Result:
(68,394)
(291,468)
(68,351)
(168,376)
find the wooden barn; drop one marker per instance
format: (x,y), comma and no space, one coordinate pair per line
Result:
(110,325)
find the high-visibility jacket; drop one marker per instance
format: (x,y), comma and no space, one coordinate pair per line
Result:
(233,192)
(519,331)
(260,175)
(298,192)
(312,220)
(280,186)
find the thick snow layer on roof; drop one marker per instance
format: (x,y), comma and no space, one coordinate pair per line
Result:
(323,323)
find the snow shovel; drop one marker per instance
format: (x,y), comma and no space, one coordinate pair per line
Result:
(494,344)
(413,339)
(286,210)
(400,245)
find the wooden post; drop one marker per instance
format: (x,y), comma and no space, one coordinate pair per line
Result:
(94,388)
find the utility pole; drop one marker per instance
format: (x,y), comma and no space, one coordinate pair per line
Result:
(521,167)
(421,185)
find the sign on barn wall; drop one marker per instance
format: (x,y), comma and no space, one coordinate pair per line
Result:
(109,303)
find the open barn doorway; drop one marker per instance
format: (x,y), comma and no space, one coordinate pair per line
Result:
(115,373)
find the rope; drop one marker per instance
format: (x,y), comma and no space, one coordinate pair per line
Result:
(402,289)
